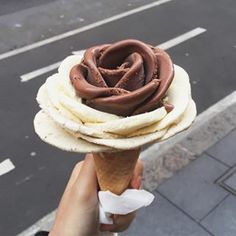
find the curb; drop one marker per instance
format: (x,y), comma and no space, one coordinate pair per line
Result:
(162,160)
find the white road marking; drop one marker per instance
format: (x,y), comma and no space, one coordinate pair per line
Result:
(82,29)
(6,166)
(182,38)
(166,45)
(27,178)
(42,168)
(41,71)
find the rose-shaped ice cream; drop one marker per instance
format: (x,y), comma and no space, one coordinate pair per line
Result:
(125,78)
(114,97)
(110,102)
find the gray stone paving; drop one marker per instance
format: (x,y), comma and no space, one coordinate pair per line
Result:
(222,221)
(225,149)
(193,188)
(162,218)
(192,202)
(231,182)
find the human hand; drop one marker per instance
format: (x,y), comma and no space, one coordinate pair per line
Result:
(77,214)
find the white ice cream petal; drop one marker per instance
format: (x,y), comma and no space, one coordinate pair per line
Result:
(66,112)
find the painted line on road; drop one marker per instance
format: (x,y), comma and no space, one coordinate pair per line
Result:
(6,166)
(41,71)
(166,45)
(44,70)
(82,29)
(182,38)
(25,179)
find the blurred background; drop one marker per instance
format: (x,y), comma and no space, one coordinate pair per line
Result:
(35,35)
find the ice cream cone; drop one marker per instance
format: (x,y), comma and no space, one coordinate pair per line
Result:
(115,169)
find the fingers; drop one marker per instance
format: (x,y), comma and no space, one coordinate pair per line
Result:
(76,171)
(120,223)
(137,176)
(83,181)
(78,208)
(74,174)
(136,182)
(138,170)
(86,184)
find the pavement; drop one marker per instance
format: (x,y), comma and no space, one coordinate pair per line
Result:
(37,173)
(200,200)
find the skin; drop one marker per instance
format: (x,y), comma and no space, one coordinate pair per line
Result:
(77,214)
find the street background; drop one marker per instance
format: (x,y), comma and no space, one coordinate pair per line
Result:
(33,188)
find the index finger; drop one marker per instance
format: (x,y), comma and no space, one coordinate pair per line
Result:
(137,175)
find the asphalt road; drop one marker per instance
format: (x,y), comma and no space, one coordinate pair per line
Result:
(24,22)
(34,187)
(12,6)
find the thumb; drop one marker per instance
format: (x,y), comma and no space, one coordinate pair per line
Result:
(137,175)
(86,183)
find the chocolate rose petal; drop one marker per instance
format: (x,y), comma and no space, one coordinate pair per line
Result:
(112,77)
(93,75)
(114,55)
(86,90)
(135,77)
(166,74)
(125,104)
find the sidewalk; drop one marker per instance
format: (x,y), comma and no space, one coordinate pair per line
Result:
(199,200)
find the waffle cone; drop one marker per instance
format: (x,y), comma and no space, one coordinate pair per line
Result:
(114,170)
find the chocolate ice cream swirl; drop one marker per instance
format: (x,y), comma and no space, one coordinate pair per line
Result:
(125,78)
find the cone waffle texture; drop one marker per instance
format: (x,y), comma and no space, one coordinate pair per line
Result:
(114,170)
